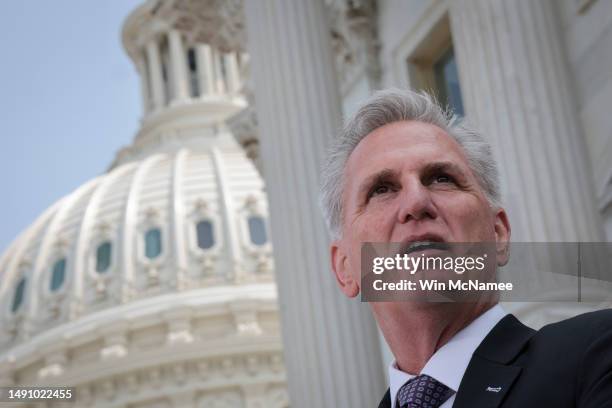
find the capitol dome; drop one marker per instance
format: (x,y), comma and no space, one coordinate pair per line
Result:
(153,284)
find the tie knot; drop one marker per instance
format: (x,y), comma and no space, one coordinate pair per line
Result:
(423,391)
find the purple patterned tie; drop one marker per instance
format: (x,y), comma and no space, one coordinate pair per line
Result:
(423,391)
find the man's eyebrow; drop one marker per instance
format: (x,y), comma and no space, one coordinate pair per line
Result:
(446,166)
(383,175)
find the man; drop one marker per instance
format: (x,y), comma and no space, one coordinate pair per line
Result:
(404,171)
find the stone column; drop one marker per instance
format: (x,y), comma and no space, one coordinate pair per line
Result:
(331,346)
(145,88)
(205,69)
(219,80)
(517,88)
(233,76)
(179,68)
(155,75)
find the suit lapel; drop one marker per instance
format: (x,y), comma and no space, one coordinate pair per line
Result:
(490,376)
(485,384)
(386,401)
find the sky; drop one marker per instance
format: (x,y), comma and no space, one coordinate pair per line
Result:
(70,99)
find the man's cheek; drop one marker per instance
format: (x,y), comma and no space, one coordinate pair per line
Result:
(380,223)
(480,227)
(373,233)
(470,211)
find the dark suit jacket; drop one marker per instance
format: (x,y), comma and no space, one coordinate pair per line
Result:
(563,365)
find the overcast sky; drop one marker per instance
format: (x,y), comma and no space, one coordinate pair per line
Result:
(70,99)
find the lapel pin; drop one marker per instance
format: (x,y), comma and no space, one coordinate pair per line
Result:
(494,389)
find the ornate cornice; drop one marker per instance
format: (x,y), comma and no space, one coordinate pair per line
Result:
(163,355)
(355,40)
(219,23)
(197,379)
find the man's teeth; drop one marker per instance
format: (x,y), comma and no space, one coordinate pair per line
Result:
(424,245)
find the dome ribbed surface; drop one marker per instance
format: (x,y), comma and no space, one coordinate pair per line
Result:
(170,192)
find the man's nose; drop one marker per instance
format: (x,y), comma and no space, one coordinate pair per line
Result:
(415,203)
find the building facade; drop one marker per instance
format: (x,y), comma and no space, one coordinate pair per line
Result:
(153,284)
(532,75)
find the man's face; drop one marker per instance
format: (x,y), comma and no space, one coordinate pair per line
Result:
(410,181)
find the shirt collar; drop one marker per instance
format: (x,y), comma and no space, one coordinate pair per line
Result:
(449,362)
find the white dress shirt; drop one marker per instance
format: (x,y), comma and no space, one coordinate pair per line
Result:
(448,364)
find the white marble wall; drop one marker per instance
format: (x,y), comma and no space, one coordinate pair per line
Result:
(587,37)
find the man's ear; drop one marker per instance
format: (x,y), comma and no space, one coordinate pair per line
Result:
(340,266)
(502,236)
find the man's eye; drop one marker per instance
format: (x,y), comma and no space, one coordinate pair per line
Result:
(380,189)
(443,178)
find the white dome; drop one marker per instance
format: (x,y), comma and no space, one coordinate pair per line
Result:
(106,304)
(168,192)
(153,284)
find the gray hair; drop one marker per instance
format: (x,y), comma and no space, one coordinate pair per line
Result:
(394,105)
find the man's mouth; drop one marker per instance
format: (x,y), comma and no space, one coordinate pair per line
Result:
(424,245)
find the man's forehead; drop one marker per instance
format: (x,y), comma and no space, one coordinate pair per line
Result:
(403,138)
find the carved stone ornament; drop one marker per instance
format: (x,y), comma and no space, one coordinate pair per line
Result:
(219,23)
(355,39)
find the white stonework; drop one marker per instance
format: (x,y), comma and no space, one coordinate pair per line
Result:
(189,325)
(527,108)
(326,336)
(202,328)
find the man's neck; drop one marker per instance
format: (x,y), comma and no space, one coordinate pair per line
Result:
(415,334)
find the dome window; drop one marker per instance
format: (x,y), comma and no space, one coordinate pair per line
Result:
(257,230)
(103,257)
(192,65)
(153,243)
(58,275)
(18,296)
(205,233)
